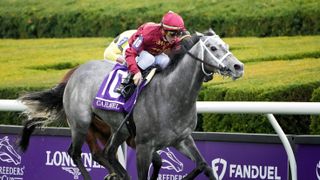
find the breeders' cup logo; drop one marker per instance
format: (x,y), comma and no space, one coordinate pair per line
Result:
(169,163)
(74,171)
(219,164)
(9,161)
(7,152)
(318,170)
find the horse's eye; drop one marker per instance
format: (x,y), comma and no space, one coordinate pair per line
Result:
(213,48)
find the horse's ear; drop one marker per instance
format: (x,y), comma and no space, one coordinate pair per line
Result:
(211,31)
(199,34)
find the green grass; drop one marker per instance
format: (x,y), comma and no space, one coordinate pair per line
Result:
(274,62)
(43,62)
(251,49)
(275,74)
(276,68)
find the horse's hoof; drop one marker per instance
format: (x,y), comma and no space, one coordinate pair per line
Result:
(208,172)
(112,176)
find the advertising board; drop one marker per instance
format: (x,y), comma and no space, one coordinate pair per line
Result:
(230,155)
(228,161)
(46,158)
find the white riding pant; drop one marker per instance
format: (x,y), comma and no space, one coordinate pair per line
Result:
(145,60)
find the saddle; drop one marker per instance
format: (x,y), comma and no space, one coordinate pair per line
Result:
(112,97)
(108,98)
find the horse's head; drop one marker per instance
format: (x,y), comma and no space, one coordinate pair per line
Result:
(215,56)
(7,152)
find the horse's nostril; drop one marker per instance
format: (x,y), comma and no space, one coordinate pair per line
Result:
(237,67)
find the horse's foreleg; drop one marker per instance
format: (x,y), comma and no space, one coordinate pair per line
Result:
(156,163)
(144,156)
(188,148)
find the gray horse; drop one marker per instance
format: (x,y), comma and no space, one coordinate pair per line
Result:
(165,112)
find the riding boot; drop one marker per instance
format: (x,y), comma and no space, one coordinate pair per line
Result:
(126,87)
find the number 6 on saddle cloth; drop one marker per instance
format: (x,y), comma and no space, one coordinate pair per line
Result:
(109,97)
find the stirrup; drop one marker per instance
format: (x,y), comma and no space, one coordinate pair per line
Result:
(124,82)
(128,90)
(119,88)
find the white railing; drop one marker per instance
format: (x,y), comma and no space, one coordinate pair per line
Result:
(267,108)
(243,107)
(11,105)
(255,107)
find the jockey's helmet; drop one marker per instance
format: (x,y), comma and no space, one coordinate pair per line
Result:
(172,22)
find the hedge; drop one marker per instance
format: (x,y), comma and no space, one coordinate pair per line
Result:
(294,124)
(62,18)
(315,119)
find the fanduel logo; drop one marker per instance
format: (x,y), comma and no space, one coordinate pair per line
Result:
(63,160)
(318,170)
(215,166)
(221,166)
(10,161)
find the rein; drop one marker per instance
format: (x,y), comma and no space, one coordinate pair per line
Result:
(202,61)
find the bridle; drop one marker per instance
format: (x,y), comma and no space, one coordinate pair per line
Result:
(201,59)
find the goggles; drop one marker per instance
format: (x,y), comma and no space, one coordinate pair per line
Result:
(173,33)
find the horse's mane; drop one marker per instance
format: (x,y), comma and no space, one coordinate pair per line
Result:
(176,55)
(185,45)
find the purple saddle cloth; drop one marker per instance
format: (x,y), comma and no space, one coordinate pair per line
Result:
(108,99)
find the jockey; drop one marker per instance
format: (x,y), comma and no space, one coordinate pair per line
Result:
(148,45)
(115,50)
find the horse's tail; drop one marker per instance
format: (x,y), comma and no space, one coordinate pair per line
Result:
(43,108)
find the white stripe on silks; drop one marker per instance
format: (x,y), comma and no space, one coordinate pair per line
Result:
(171,27)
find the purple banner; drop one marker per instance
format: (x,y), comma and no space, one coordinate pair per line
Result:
(308,161)
(228,160)
(46,158)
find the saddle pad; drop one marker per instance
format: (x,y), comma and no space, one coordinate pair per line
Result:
(108,99)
